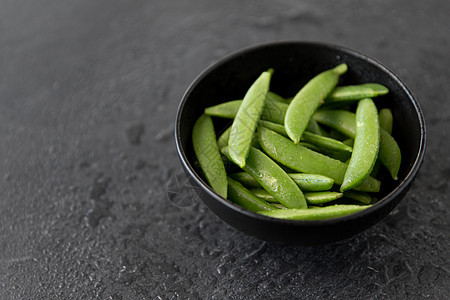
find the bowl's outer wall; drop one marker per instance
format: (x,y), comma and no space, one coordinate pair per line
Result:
(294,64)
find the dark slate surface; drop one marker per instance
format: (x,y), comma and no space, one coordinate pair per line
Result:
(88,95)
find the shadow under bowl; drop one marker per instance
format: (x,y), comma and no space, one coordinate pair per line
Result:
(295,63)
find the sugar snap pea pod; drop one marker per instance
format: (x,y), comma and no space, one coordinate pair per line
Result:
(366,145)
(222,141)
(226,110)
(356,92)
(306,182)
(302,159)
(386,119)
(276,97)
(312,198)
(337,135)
(390,155)
(264,195)
(247,118)
(246,179)
(273,178)
(340,120)
(308,99)
(279,205)
(278,128)
(308,137)
(274,111)
(344,121)
(314,127)
(312,182)
(319,198)
(358,196)
(208,155)
(325,142)
(319,213)
(240,195)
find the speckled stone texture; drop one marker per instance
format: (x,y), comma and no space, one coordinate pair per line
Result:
(88,95)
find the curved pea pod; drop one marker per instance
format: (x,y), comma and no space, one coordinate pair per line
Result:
(247,118)
(306,182)
(358,196)
(365,146)
(314,127)
(273,179)
(276,97)
(311,138)
(301,159)
(222,141)
(356,92)
(274,111)
(390,155)
(312,182)
(312,198)
(340,120)
(240,195)
(308,99)
(325,142)
(320,198)
(319,213)
(386,119)
(226,110)
(208,155)
(278,128)
(344,121)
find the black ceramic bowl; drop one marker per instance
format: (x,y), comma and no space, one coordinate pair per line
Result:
(294,64)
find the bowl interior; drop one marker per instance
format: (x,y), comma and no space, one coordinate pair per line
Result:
(295,63)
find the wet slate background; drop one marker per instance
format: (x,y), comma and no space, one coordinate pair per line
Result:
(88,95)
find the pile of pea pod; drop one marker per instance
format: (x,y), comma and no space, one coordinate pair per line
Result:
(309,157)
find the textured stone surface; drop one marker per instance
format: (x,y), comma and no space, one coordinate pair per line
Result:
(88,95)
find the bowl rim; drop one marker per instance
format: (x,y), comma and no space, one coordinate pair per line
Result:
(302,223)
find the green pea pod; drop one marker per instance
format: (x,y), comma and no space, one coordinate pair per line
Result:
(226,110)
(320,198)
(340,120)
(273,178)
(247,118)
(386,119)
(279,206)
(301,159)
(358,196)
(312,198)
(240,195)
(314,127)
(325,142)
(274,111)
(386,122)
(276,97)
(315,139)
(366,145)
(319,213)
(390,155)
(312,182)
(208,155)
(306,182)
(344,121)
(246,179)
(356,92)
(278,128)
(222,141)
(308,99)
